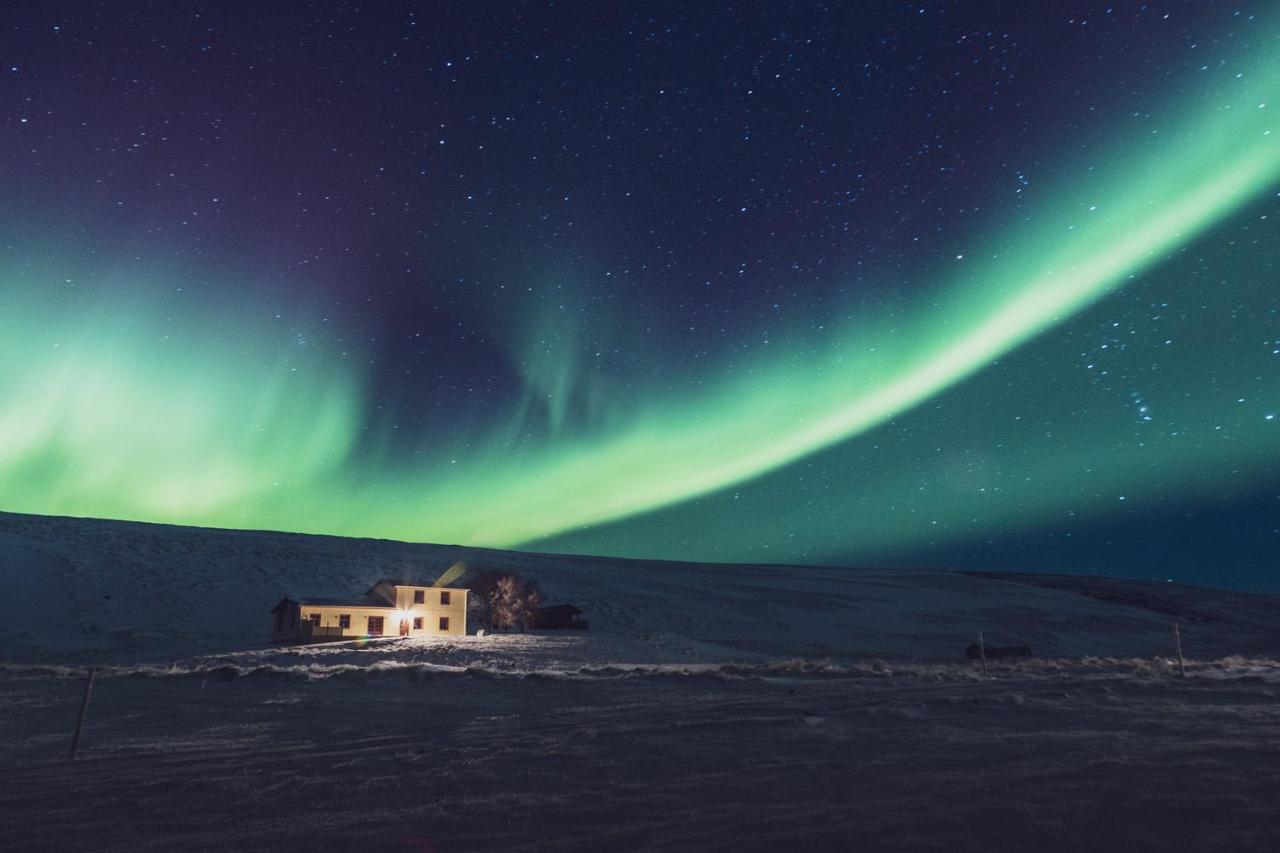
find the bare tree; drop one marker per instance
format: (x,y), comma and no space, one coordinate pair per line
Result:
(503,600)
(483,587)
(517,601)
(530,603)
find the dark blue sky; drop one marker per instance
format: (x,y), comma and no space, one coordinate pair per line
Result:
(643,278)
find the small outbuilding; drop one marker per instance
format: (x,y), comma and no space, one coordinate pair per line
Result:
(389,608)
(559,617)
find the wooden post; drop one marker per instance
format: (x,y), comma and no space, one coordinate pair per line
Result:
(982,652)
(1177,644)
(84,711)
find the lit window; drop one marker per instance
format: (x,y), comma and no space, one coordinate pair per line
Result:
(444,597)
(417,623)
(419,596)
(344,620)
(444,623)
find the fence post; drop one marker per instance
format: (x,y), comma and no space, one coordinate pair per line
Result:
(84,711)
(1177,643)
(982,652)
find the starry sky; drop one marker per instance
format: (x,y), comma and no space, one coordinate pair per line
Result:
(928,285)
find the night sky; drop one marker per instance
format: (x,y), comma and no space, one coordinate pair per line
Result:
(937,285)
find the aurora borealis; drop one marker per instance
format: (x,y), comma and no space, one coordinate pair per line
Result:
(925,285)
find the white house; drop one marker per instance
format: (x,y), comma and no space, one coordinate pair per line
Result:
(389,608)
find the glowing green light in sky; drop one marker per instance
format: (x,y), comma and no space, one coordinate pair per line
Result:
(233,425)
(1124,221)
(105,413)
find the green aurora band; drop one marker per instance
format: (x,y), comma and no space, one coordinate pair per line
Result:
(103,412)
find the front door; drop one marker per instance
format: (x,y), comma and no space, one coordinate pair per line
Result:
(404,627)
(375,626)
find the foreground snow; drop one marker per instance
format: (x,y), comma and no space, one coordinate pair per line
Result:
(515,743)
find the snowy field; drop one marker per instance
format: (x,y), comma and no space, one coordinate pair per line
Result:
(405,746)
(84,591)
(710,707)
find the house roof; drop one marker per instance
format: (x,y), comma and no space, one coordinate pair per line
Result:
(334,602)
(346,602)
(561,608)
(394,582)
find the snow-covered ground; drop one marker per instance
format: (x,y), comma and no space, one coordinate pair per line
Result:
(709,707)
(84,591)
(425,749)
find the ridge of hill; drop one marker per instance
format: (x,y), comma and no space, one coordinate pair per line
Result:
(87,590)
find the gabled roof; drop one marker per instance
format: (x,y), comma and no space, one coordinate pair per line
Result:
(345,602)
(394,582)
(561,608)
(333,602)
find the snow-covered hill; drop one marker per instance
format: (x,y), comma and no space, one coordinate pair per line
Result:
(89,590)
(709,707)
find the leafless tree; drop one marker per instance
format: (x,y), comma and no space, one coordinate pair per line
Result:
(503,600)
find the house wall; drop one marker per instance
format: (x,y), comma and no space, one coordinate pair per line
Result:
(329,614)
(402,598)
(455,610)
(430,612)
